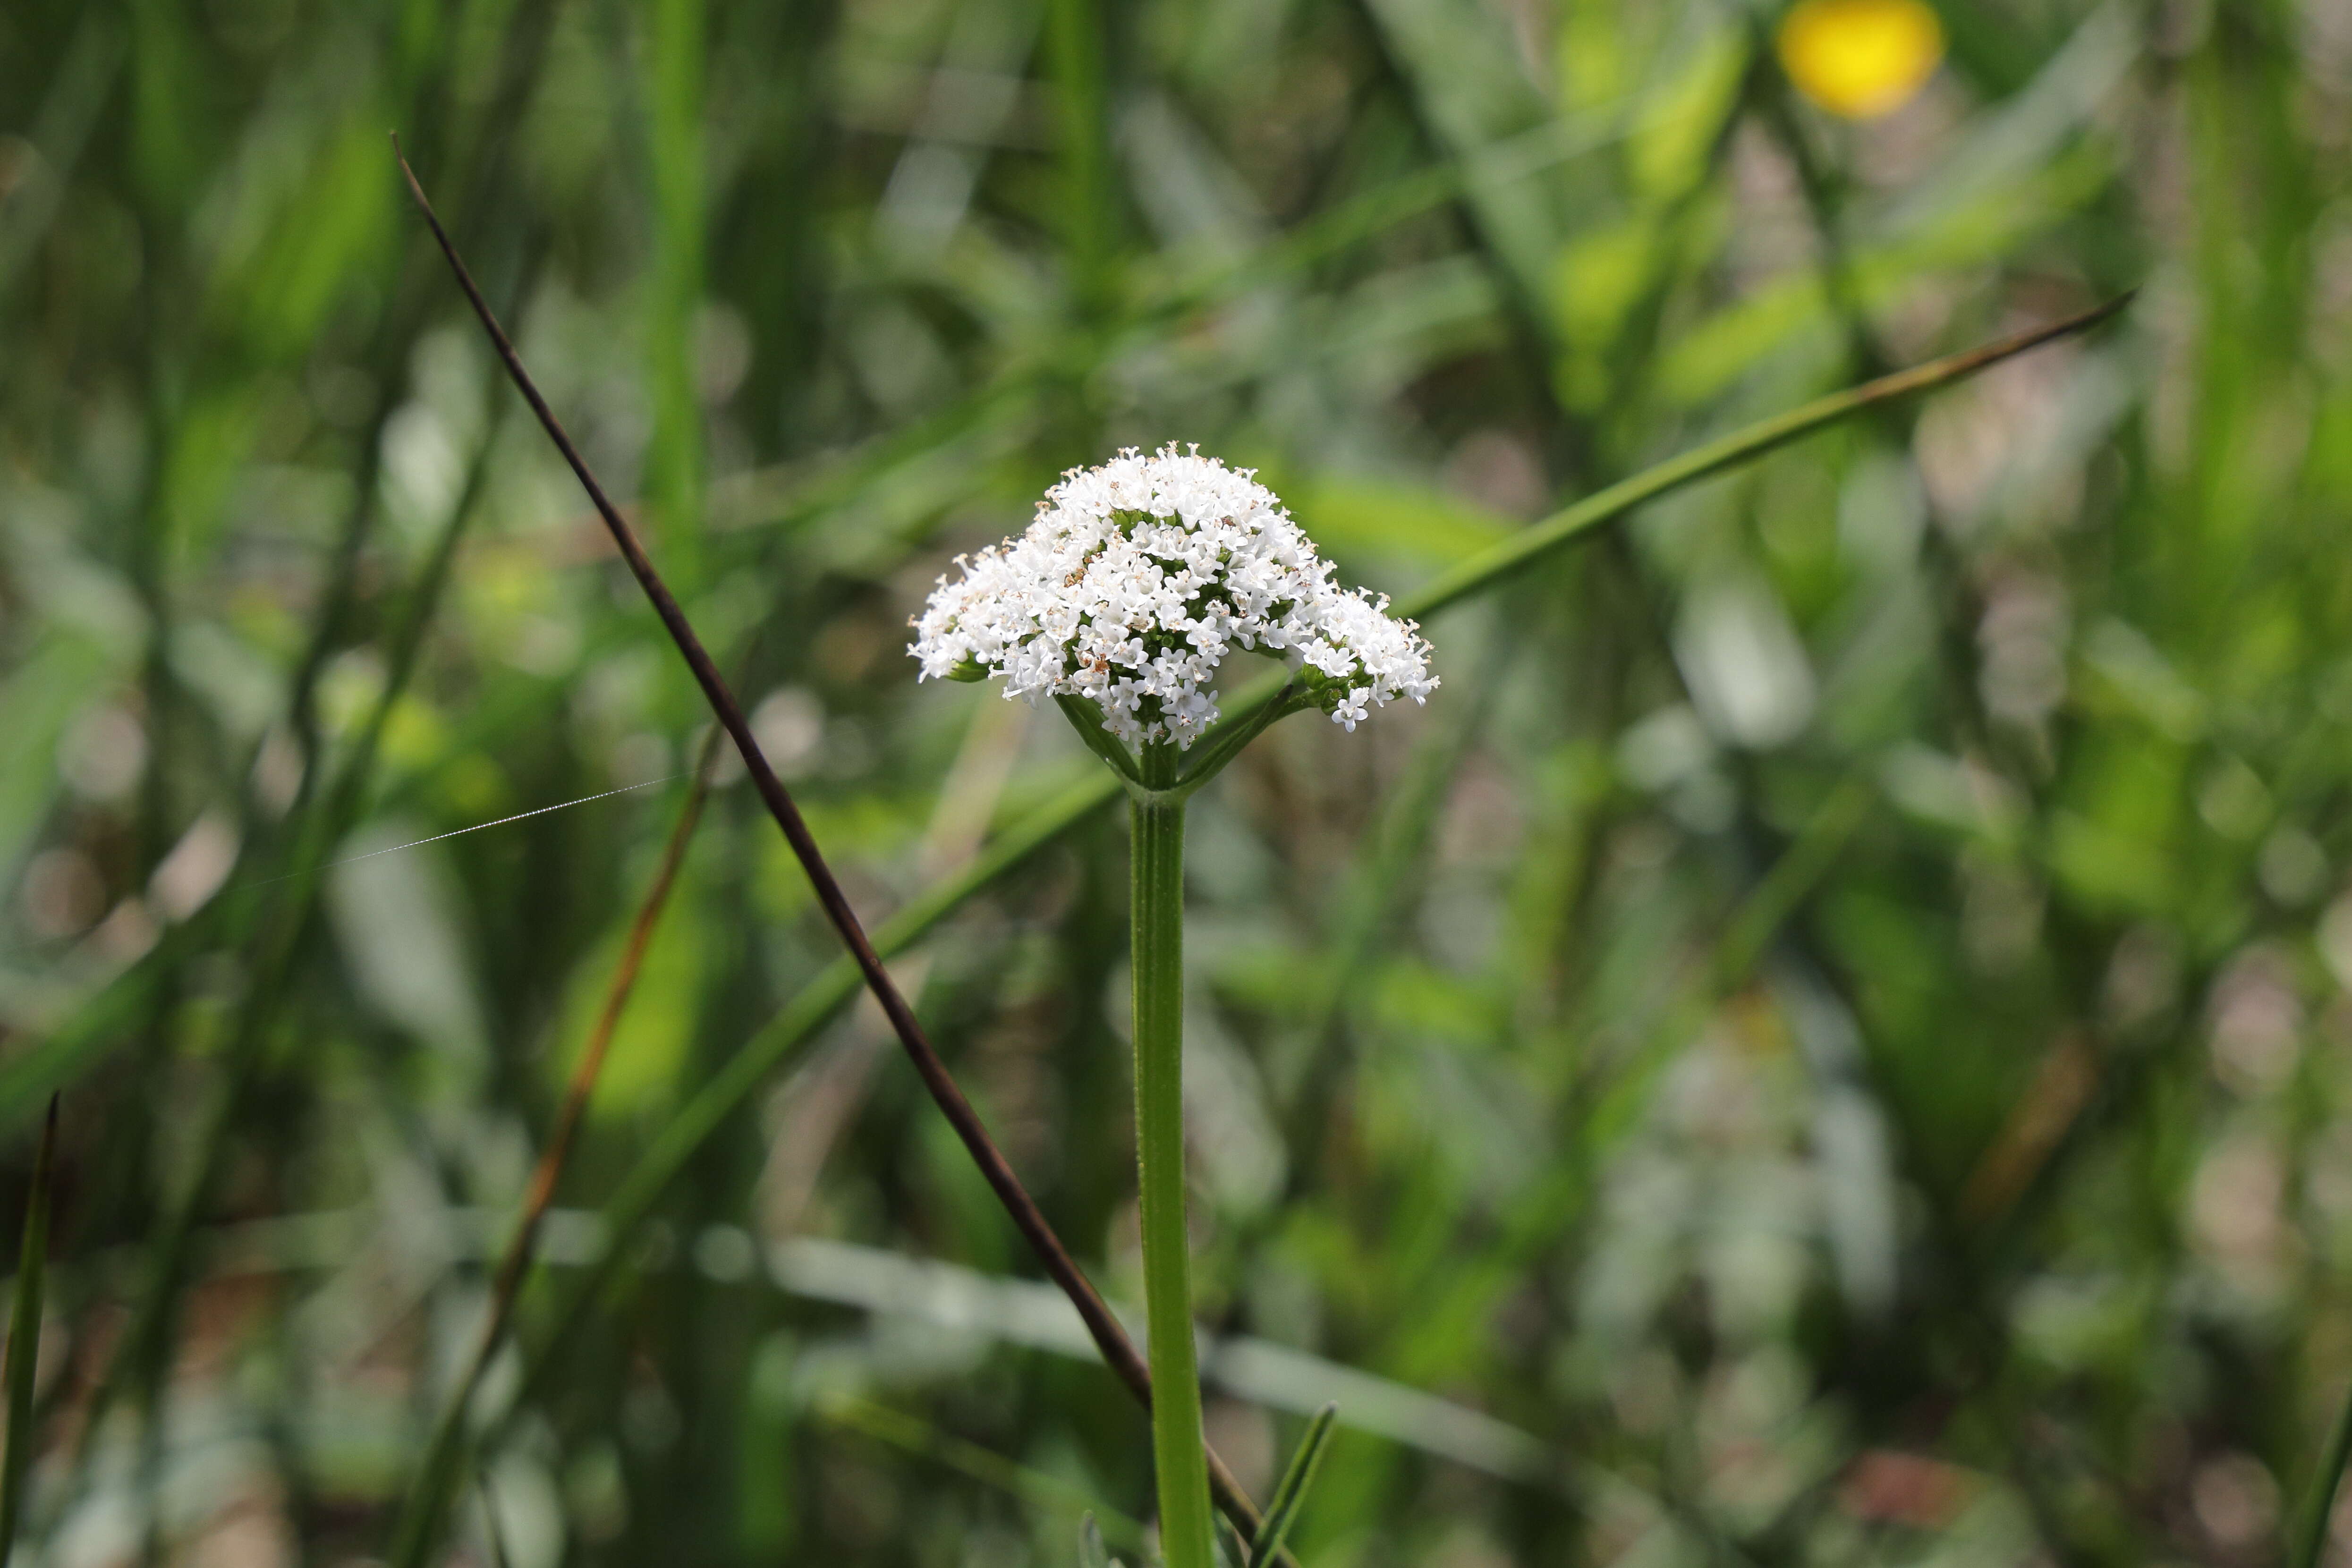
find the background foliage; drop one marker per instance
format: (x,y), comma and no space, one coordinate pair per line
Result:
(1827,1041)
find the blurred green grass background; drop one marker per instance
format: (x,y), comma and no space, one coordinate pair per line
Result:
(1826,1043)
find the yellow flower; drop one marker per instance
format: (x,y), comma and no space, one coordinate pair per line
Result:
(1860,59)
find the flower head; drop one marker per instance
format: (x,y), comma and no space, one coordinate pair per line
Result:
(1135,581)
(1860,59)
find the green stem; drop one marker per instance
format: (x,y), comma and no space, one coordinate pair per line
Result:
(1156,911)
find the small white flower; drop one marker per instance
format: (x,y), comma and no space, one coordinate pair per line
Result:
(1137,578)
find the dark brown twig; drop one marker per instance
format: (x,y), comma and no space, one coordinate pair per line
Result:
(1118,1350)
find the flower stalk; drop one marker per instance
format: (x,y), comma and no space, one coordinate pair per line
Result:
(1156,894)
(1121,603)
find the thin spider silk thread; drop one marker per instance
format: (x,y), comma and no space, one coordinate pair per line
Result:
(458,832)
(389,850)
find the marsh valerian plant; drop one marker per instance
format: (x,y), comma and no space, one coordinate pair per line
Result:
(1121,603)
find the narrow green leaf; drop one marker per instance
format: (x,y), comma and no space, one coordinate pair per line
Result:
(25,1334)
(2311,1531)
(675,47)
(1231,1548)
(1291,1495)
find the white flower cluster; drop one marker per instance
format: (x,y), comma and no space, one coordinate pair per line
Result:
(1137,578)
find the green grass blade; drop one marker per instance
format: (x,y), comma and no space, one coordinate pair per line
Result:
(1092,1552)
(497,1536)
(25,1334)
(674,56)
(1291,1495)
(1800,868)
(1074,49)
(2311,1530)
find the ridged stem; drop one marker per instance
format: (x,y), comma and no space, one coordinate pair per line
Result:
(1156,873)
